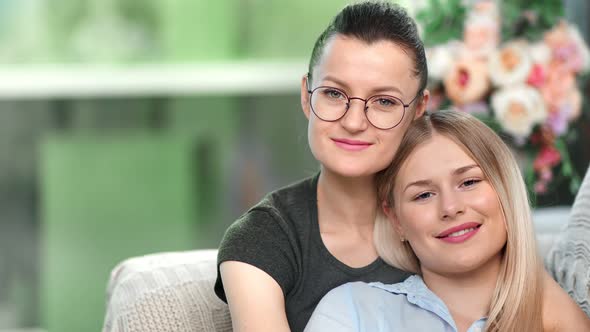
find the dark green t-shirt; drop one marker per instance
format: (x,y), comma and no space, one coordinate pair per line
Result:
(281,236)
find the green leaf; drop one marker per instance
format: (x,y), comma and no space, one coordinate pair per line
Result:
(441,21)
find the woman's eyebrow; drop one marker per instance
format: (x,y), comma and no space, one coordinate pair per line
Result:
(336,80)
(425,183)
(464,169)
(373,91)
(419,183)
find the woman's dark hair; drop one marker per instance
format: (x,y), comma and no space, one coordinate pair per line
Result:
(373,21)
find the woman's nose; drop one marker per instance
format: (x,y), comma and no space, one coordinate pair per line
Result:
(355,119)
(451,205)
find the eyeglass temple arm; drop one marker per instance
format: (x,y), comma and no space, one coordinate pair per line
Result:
(410,103)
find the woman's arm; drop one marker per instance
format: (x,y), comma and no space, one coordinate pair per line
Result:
(256,301)
(560,312)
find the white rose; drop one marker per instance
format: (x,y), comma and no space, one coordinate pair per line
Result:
(510,65)
(481,30)
(518,109)
(540,53)
(440,59)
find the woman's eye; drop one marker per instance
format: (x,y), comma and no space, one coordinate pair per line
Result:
(387,102)
(334,94)
(470,182)
(423,196)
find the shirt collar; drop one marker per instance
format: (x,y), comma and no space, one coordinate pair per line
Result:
(418,294)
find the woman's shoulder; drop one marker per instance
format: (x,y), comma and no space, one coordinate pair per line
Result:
(396,296)
(291,204)
(279,213)
(268,238)
(362,294)
(364,306)
(294,195)
(404,306)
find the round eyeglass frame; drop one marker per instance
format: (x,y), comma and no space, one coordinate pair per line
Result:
(365,107)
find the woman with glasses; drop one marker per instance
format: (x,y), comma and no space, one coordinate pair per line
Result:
(465,228)
(365,85)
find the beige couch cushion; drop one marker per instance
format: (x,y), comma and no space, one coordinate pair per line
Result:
(166,292)
(568,260)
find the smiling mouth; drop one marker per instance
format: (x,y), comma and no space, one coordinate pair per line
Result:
(351,145)
(350,142)
(459,230)
(459,233)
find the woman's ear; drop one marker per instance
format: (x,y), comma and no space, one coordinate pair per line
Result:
(305,95)
(390,213)
(422,104)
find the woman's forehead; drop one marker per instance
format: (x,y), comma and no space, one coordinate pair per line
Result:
(367,65)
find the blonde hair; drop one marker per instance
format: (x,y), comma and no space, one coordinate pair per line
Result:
(517,301)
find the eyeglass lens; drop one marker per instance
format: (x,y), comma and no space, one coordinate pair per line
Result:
(382,111)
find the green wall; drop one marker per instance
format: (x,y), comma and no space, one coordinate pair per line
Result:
(104,200)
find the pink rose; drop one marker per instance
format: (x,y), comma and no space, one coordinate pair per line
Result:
(548,157)
(537,76)
(560,91)
(541,187)
(467,82)
(568,47)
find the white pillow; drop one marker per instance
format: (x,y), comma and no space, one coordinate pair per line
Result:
(568,260)
(166,292)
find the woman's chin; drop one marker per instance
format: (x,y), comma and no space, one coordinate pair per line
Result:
(350,171)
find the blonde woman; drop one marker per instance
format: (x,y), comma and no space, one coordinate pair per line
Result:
(457,215)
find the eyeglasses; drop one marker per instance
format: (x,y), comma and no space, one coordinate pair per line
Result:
(382,111)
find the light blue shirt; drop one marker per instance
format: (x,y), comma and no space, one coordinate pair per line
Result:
(374,307)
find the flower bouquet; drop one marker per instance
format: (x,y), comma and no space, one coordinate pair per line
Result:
(521,78)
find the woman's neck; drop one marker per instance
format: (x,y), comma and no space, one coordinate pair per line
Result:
(346,216)
(468,296)
(346,201)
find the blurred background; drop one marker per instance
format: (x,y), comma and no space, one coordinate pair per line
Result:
(129,127)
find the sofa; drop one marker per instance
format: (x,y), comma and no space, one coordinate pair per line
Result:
(174,291)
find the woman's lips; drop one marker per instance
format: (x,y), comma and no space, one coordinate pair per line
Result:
(351,145)
(459,233)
